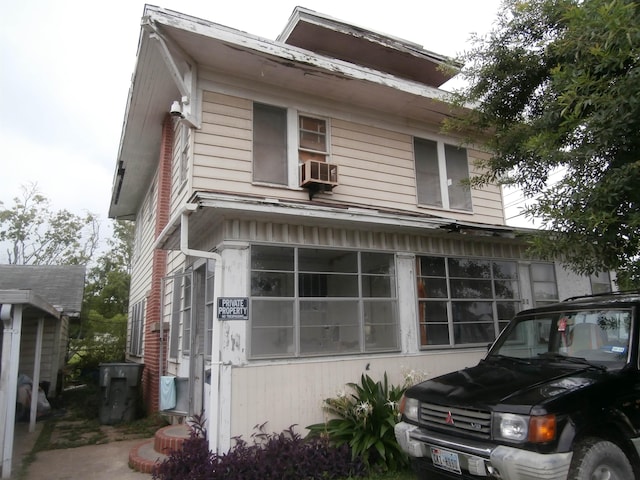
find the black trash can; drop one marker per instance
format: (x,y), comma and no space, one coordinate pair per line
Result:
(119,392)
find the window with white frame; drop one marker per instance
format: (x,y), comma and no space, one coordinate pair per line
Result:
(184,154)
(270,163)
(186,314)
(209,306)
(544,284)
(309,302)
(312,139)
(465,301)
(137,329)
(442,173)
(600,282)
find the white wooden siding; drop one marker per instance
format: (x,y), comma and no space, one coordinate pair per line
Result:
(376,166)
(286,393)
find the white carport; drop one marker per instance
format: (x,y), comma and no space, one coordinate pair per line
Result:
(16,307)
(37,302)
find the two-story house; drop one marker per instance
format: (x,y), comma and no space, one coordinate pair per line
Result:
(302,219)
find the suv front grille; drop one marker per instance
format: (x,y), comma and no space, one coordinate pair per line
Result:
(472,422)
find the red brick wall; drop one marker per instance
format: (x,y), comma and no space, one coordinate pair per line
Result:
(151,376)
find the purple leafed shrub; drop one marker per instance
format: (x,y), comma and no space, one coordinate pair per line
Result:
(269,456)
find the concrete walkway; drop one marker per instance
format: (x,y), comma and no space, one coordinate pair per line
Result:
(107,461)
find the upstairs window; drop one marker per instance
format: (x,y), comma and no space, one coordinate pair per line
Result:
(312,139)
(441,174)
(269,144)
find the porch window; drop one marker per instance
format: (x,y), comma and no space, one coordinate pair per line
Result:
(600,282)
(186,314)
(310,302)
(465,301)
(137,324)
(442,171)
(543,280)
(269,144)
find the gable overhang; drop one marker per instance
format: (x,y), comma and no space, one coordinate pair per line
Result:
(174,47)
(335,38)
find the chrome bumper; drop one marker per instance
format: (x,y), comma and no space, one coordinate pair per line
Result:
(502,462)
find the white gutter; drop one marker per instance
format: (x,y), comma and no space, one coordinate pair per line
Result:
(183,214)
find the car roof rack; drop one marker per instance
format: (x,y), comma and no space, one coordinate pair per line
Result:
(604,294)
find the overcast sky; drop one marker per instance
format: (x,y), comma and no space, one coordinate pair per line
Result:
(66,67)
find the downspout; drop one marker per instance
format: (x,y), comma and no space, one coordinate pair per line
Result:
(214,394)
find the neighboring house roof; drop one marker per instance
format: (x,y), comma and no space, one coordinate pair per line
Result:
(59,285)
(368,70)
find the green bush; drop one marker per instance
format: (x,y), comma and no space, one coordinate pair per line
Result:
(364,420)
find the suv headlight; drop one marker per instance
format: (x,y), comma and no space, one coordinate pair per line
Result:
(512,427)
(520,428)
(410,407)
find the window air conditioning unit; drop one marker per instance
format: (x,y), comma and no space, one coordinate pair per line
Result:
(318,176)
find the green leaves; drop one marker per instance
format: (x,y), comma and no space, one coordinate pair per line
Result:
(556,87)
(364,421)
(36,235)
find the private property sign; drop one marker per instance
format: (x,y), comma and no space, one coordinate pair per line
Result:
(233,308)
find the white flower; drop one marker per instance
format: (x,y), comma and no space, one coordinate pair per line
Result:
(364,408)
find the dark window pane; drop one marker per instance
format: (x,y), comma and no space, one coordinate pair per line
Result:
(470,288)
(427,172)
(378,286)
(327,285)
(432,266)
(377,263)
(506,289)
(272,327)
(321,260)
(469,268)
(272,284)
(271,258)
(505,270)
(432,288)
(329,327)
(269,144)
(457,177)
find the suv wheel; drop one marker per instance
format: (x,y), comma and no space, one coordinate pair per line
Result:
(595,459)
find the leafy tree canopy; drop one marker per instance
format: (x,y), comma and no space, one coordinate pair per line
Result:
(37,235)
(556,86)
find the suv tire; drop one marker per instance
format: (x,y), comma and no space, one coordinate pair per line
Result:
(595,459)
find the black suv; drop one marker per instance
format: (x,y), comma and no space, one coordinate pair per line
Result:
(556,397)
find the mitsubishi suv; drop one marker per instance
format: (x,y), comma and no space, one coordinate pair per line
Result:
(556,397)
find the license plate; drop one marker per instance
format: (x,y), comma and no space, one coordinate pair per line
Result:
(446,460)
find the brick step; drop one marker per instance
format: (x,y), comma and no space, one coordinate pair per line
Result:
(145,455)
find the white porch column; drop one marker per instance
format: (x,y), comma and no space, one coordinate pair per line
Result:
(407,302)
(12,321)
(35,386)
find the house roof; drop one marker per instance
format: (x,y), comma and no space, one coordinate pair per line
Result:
(61,286)
(369,70)
(335,38)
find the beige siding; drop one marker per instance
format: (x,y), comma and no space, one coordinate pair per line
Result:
(375,163)
(142,264)
(273,393)
(50,363)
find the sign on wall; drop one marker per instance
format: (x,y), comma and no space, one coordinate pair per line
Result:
(233,308)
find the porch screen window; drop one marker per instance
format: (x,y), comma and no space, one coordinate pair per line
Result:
(186,314)
(269,144)
(465,301)
(309,302)
(441,174)
(545,287)
(137,324)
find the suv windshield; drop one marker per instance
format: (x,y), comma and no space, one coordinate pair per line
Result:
(597,336)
